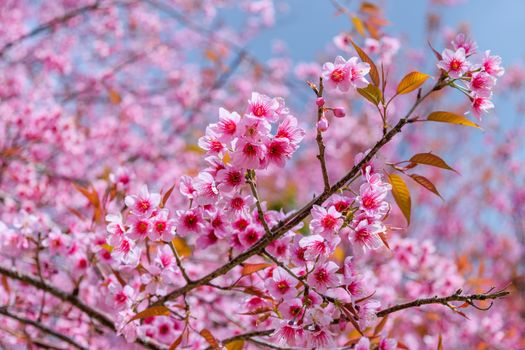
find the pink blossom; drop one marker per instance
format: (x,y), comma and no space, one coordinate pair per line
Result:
(262,106)
(144,203)
(291,309)
(481,84)
(367,313)
(481,105)
(454,63)
(207,191)
(324,276)
(188,221)
(363,344)
(366,236)
(186,187)
(342,73)
(325,222)
(162,226)
(492,65)
(464,42)
(281,285)
(226,127)
(248,154)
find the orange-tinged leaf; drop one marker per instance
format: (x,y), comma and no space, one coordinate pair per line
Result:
(206,334)
(426,183)
(451,118)
(374,74)
(166,196)
(410,82)
(151,311)
(248,269)
(5,284)
(401,195)
(114,97)
(368,7)
(430,159)
(358,25)
(440,343)
(181,247)
(176,342)
(382,235)
(380,325)
(235,345)
(371,93)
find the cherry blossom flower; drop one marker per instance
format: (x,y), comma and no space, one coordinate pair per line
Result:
(325,222)
(465,43)
(492,65)
(454,63)
(281,285)
(324,276)
(366,236)
(481,105)
(144,203)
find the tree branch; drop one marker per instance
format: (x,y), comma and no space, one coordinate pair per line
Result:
(49,25)
(41,327)
(72,299)
(444,301)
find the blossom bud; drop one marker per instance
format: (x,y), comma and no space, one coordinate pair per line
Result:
(339,112)
(319,102)
(322,124)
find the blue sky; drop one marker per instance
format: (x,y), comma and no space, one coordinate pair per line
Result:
(311,24)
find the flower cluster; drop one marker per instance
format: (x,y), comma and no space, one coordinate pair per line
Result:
(342,74)
(477,80)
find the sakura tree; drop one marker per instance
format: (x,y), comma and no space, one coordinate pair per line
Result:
(163,188)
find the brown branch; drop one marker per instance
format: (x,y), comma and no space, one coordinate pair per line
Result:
(72,299)
(444,301)
(49,25)
(41,327)
(416,303)
(319,138)
(179,263)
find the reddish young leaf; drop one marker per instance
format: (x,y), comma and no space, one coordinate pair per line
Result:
(248,269)
(151,311)
(206,334)
(426,183)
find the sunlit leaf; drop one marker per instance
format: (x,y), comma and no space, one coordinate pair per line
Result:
(114,97)
(151,311)
(430,159)
(410,82)
(206,334)
(358,25)
(235,345)
(248,269)
(374,74)
(440,343)
(181,247)
(401,195)
(447,117)
(426,183)
(371,93)
(380,325)
(368,7)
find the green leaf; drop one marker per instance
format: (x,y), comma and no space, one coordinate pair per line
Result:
(410,82)
(451,118)
(401,195)
(371,93)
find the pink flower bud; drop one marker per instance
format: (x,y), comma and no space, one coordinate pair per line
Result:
(322,124)
(339,112)
(319,102)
